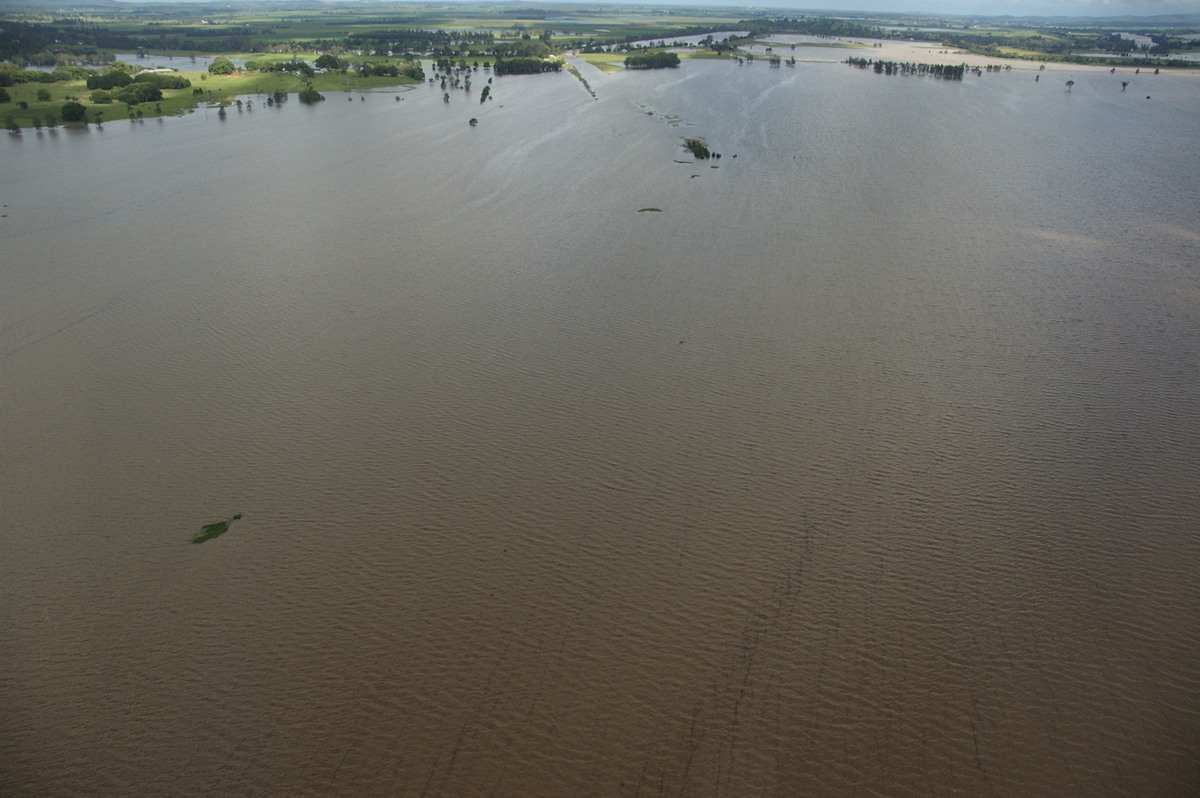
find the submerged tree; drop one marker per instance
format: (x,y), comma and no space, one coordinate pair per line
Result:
(1070,83)
(697,147)
(309,95)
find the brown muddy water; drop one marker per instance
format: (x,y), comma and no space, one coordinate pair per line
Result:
(868,465)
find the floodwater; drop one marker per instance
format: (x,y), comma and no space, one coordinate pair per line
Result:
(867,464)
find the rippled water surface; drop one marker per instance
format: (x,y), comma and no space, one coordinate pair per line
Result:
(868,464)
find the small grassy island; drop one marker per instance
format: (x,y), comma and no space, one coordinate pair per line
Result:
(215,530)
(176,57)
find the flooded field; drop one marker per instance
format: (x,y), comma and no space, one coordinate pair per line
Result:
(867,464)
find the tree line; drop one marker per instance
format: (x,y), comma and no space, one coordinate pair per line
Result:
(943,71)
(812,26)
(654,59)
(525,66)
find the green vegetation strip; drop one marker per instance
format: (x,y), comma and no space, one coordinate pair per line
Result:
(205,89)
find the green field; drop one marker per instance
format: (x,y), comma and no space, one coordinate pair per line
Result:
(606,62)
(215,90)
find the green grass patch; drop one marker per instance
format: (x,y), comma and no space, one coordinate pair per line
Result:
(605,62)
(782,49)
(1012,52)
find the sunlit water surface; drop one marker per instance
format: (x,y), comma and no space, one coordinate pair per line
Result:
(868,464)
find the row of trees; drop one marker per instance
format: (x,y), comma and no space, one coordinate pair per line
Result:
(332,63)
(943,71)
(416,40)
(526,66)
(71,112)
(34,42)
(653,59)
(117,78)
(12,75)
(48,121)
(812,26)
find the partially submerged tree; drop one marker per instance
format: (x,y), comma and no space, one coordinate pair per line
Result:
(697,147)
(309,95)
